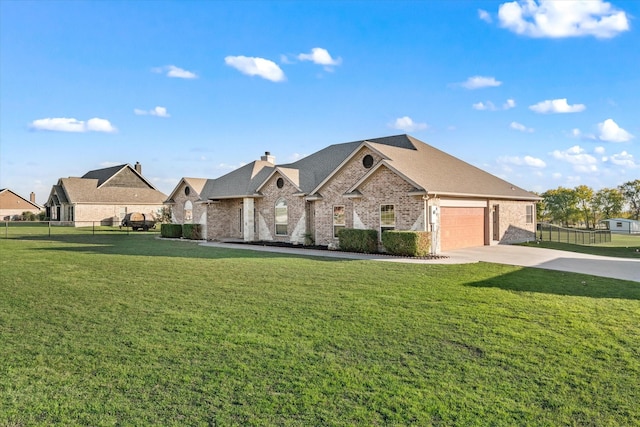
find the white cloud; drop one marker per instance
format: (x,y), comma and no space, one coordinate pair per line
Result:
(624,159)
(109,164)
(523,161)
(556,106)
(296,156)
(226,166)
(63,124)
(509,104)
(478,82)
(407,124)
(599,150)
(556,19)
(320,56)
(611,132)
(490,106)
(254,66)
(577,133)
(176,72)
(520,127)
(481,106)
(158,111)
(484,15)
(576,155)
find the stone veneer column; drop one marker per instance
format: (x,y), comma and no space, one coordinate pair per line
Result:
(247,220)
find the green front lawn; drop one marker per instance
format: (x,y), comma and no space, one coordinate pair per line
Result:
(131,330)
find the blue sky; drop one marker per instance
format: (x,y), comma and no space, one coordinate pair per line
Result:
(539,93)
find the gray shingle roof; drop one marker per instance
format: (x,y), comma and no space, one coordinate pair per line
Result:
(84,190)
(238,183)
(130,188)
(434,170)
(104,174)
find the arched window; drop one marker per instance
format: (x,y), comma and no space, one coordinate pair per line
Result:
(188,212)
(282,217)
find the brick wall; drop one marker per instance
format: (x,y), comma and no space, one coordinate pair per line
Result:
(265,209)
(513,227)
(224,219)
(382,187)
(180,198)
(106,214)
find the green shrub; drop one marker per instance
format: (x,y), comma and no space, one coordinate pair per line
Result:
(407,243)
(192,231)
(171,230)
(352,240)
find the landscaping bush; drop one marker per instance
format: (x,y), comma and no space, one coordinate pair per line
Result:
(171,230)
(353,240)
(192,231)
(407,243)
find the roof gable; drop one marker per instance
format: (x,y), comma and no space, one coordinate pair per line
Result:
(9,199)
(119,176)
(196,184)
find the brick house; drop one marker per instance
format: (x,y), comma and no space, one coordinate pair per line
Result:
(103,196)
(395,182)
(12,205)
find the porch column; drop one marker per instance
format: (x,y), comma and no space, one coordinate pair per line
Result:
(247,220)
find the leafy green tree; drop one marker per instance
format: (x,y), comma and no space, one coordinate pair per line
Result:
(541,210)
(584,197)
(631,192)
(607,203)
(163,215)
(561,204)
(28,216)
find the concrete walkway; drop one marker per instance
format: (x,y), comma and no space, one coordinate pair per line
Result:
(617,268)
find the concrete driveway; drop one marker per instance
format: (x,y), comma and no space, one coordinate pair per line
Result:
(551,259)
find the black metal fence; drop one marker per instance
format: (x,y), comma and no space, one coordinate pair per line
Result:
(26,229)
(553,233)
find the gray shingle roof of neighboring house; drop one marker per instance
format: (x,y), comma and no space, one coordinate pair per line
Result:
(59,194)
(93,187)
(104,174)
(429,169)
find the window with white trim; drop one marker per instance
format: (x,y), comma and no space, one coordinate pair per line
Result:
(339,219)
(530,214)
(188,212)
(387,218)
(282,217)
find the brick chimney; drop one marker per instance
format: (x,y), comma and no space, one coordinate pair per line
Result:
(268,158)
(138,168)
(32,197)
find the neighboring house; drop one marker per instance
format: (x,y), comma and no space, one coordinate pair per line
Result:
(395,182)
(12,205)
(623,225)
(103,196)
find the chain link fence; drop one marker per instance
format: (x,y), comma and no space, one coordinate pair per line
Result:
(26,229)
(553,233)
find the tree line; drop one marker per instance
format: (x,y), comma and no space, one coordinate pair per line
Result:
(585,207)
